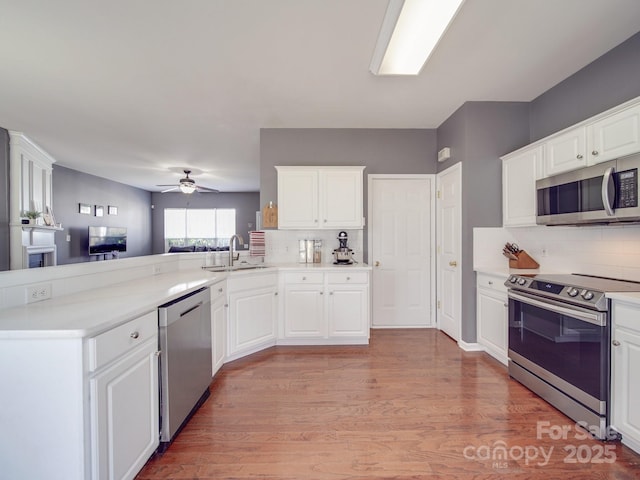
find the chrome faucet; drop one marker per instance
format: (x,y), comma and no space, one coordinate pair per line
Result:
(234,237)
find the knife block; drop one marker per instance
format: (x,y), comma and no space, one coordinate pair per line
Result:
(523,261)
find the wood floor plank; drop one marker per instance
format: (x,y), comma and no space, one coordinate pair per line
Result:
(411,405)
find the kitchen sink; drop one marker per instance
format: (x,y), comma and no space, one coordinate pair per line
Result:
(235,268)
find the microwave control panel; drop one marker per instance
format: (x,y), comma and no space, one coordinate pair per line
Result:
(627,191)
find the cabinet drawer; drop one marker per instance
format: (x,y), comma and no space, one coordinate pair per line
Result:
(218,291)
(250,281)
(491,282)
(116,342)
(348,277)
(626,316)
(304,277)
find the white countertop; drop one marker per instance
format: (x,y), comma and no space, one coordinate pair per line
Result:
(91,312)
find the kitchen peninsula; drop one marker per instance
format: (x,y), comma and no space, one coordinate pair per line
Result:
(79,370)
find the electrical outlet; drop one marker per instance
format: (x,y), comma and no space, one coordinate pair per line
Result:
(37,293)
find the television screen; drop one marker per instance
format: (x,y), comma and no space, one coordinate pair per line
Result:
(107,239)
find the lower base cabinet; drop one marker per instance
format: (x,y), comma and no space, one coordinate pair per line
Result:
(625,373)
(492,312)
(124,398)
(252,314)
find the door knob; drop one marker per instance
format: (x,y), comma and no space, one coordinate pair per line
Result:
(453,263)
(616,343)
(377,264)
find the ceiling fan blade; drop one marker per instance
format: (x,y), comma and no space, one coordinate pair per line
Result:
(168,185)
(207,189)
(169,189)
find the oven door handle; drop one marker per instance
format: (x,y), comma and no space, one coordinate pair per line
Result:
(598,319)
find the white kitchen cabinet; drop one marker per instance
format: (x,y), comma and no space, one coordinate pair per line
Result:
(252,316)
(218,325)
(614,136)
(326,307)
(520,170)
(303,312)
(124,398)
(625,373)
(567,151)
(492,312)
(320,197)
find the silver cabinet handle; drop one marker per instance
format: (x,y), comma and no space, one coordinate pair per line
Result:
(304,278)
(275,293)
(595,153)
(220,290)
(490,282)
(134,335)
(321,293)
(226,305)
(348,278)
(579,157)
(615,343)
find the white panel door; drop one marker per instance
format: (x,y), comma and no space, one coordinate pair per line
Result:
(449,246)
(401,244)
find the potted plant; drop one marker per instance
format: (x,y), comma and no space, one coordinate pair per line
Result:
(32,215)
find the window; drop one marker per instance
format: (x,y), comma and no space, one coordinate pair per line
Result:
(204,227)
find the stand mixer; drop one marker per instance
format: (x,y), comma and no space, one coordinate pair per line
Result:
(343,254)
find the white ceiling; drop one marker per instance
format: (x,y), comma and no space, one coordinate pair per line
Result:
(135,90)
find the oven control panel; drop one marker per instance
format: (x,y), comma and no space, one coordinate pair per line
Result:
(559,291)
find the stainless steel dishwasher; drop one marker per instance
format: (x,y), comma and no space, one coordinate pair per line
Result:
(185,362)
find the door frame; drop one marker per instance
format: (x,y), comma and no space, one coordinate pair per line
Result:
(455,168)
(432,248)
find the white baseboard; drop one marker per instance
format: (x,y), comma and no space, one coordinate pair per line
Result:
(470,347)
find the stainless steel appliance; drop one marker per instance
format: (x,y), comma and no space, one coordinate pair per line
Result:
(185,360)
(343,254)
(559,342)
(603,193)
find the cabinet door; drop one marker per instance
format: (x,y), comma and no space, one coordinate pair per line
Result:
(124,414)
(566,152)
(252,318)
(492,315)
(626,385)
(348,311)
(298,198)
(341,198)
(615,136)
(519,174)
(219,334)
(303,311)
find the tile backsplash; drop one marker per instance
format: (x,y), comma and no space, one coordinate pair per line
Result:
(281,246)
(612,251)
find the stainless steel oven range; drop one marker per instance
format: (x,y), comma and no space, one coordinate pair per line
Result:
(559,342)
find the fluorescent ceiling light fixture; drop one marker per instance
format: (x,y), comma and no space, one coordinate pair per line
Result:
(410,31)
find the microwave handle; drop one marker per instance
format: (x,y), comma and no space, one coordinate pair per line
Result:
(608,191)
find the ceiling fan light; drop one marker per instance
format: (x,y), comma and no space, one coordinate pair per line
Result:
(187,187)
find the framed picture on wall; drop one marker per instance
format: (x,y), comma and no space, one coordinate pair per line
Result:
(112,210)
(84,208)
(99,211)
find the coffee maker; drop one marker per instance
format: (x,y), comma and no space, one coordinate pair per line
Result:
(343,254)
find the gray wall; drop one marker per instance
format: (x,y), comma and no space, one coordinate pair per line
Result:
(478,133)
(608,81)
(391,151)
(71,187)
(246,205)
(4,199)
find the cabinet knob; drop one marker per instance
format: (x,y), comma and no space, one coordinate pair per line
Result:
(348,278)
(490,282)
(275,293)
(321,293)
(315,221)
(615,343)
(595,153)
(579,157)
(330,293)
(377,264)
(325,220)
(226,305)
(220,290)
(304,278)
(453,263)
(134,335)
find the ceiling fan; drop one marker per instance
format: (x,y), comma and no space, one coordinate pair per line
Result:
(188,185)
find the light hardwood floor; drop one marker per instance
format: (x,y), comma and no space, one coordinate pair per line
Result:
(411,405)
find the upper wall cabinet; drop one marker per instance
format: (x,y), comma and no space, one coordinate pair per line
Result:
(519,174)
(565,152)
(320,197)
(614,136)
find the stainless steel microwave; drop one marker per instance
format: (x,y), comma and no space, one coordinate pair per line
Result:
(603,193)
